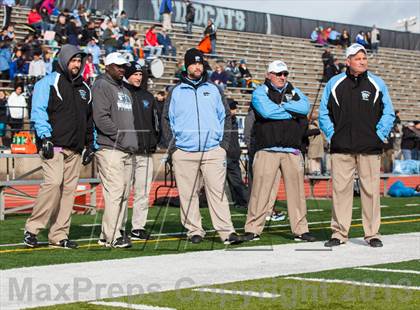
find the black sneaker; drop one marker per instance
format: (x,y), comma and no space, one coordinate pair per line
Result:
(333,242)
(140,234)
(249,236)
(64,244)
(196,239)
(102,242)
(375,243)
(29,239)
(305,237)
(121,242)
(233,239)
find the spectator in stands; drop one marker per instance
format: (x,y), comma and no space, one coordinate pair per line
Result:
(73,32)
(189,16)
(397,132)
(199,156)
(333,70)
(166,11)
(89,72)
(219,76)
(4,119)
(5,60)
(246,76)
(48,60)
(238,189)
(8,6)
(165,41)
(8,33)
(117,140)
(410,140)
(48,24)
(19,65)
(93,49)
(35,20)
(37,65)
(375,34)
(361,39)
(146,125)
(211,32)
(88,33)
(278,138)
(322,38)
(314,35)
(61,30)
(110,38)
(151,43)
(64,135)
(123,22)
(356,116)
(179,69)
(327,61)
(345,40)
(232,70)
(368,38)
(334,37)
(18,108)
(125,43)
(49,6)
(82,15)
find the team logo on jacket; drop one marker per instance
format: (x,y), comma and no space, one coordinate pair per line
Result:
(83,94)
(206,93)
(124,102)
(365,95)
(146,104)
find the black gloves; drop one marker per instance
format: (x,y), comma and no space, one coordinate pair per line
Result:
(87,155)
(47,148)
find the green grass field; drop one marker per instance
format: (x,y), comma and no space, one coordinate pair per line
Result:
(401,215)
(294,294)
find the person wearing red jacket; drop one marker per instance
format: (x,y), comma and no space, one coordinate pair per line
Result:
(35,20)
(151,44)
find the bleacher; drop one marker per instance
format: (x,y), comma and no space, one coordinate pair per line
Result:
(399,68)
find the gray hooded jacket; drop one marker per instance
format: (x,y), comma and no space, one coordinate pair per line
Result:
(113,115)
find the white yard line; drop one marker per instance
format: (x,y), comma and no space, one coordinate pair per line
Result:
(389,270)
(412,204)
(242,293)
(417,288)
(181,233)
(128,306)
(91,281)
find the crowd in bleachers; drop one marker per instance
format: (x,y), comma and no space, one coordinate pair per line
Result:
(330,36)
(98,33)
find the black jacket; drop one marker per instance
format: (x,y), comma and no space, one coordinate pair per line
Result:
(283,133)
(146,119)
(61,106)
(189,17)
(234,150)
(355,106)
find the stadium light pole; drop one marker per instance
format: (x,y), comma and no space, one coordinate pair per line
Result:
(120,6)
(406,23)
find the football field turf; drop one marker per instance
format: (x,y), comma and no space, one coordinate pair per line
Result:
(399,215)
(395,284)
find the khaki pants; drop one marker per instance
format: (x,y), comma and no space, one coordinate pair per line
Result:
(192,169)
(142,181)
(55,199)
(266,167)
(343,167)
(115,172)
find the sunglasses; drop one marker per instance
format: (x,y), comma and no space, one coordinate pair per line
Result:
(284,73)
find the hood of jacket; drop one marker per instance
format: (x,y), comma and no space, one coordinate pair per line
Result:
(67,52)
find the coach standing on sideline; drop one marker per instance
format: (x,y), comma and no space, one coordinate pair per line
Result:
(356,115)
(62,116)
(147,128)
(279,109)
(114,121)
(196,122)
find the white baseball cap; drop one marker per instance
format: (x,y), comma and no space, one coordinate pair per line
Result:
(354,49)
(115,58)
(277,66)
